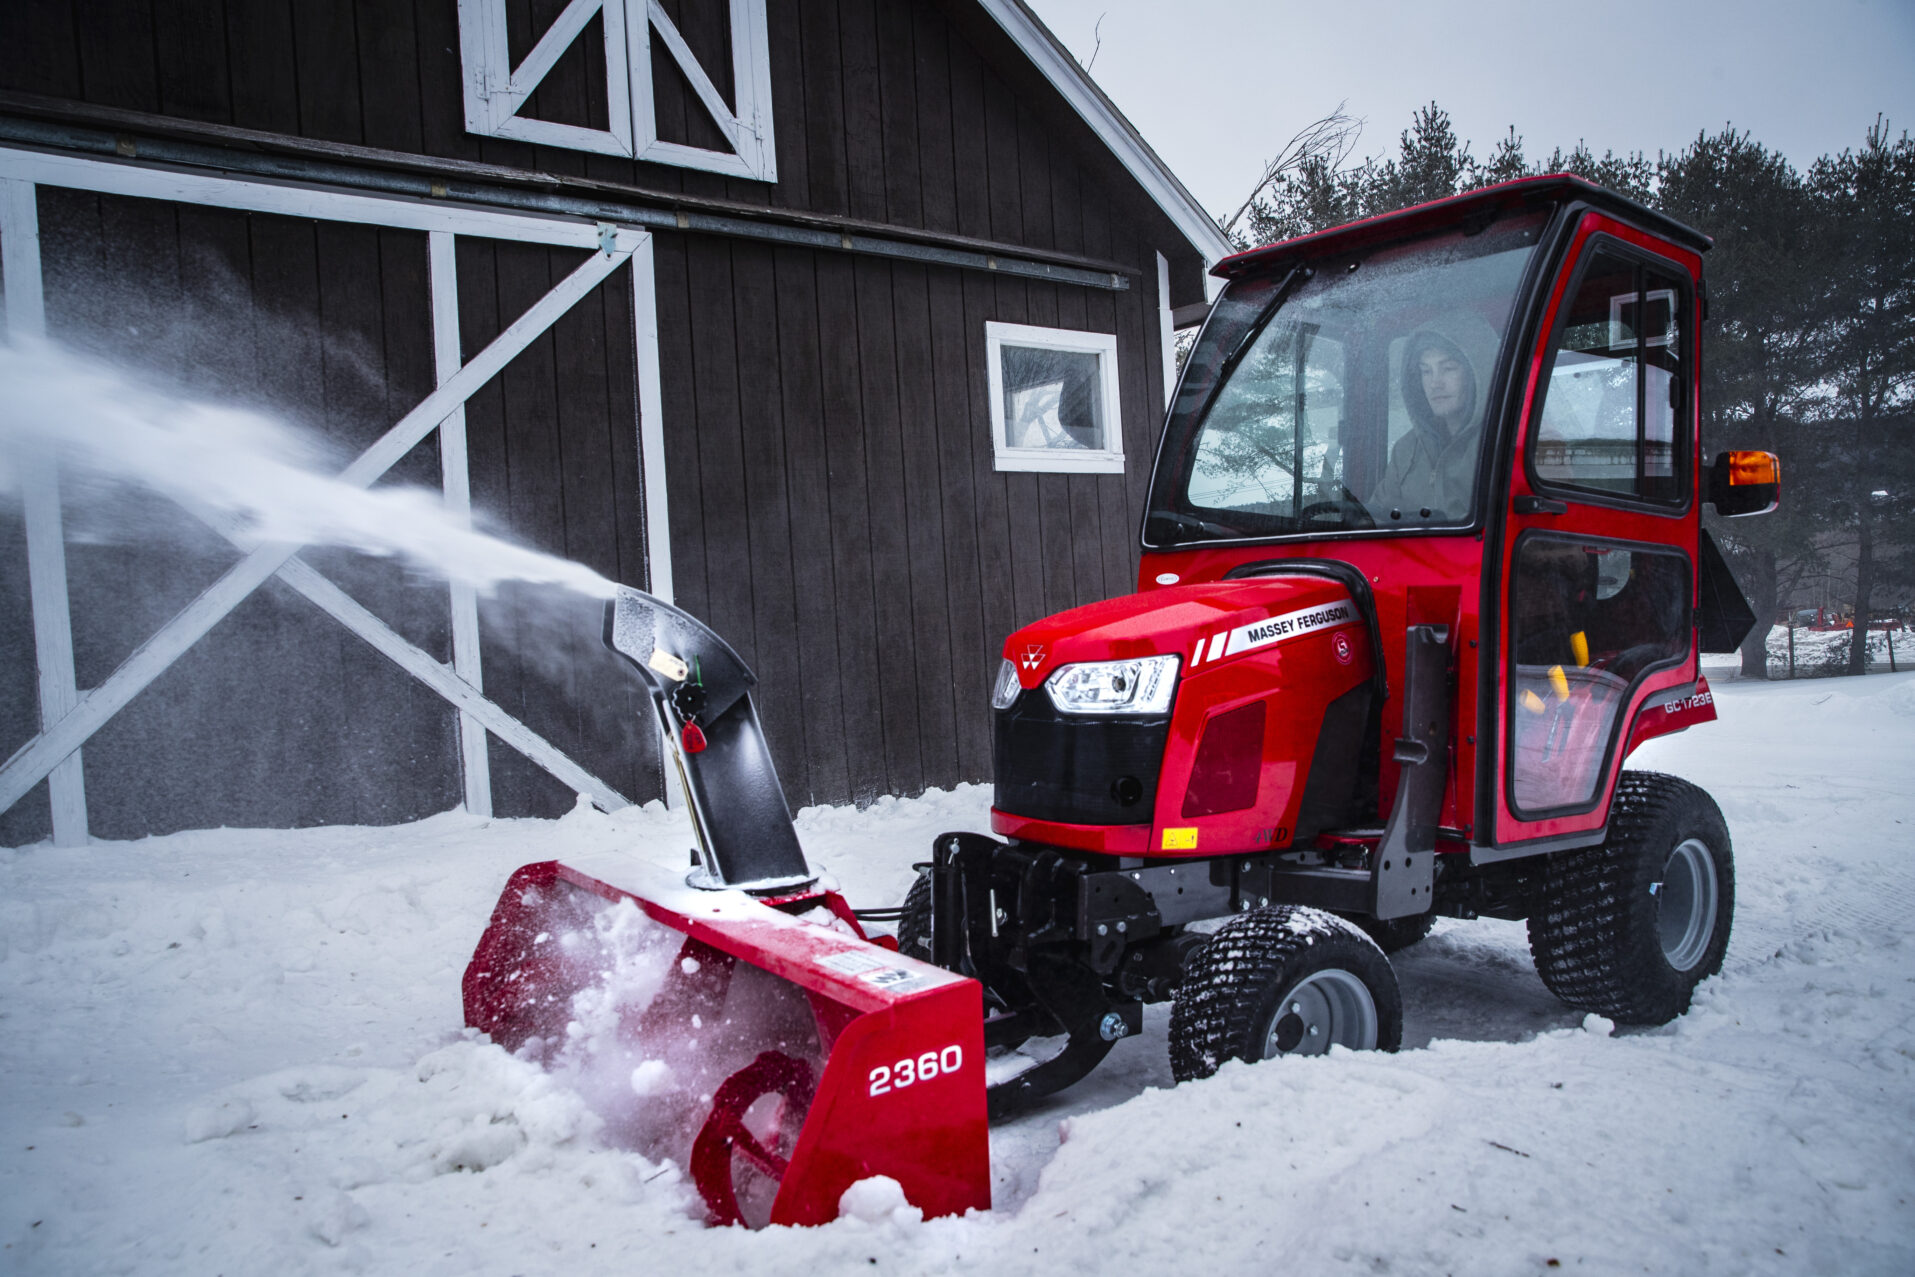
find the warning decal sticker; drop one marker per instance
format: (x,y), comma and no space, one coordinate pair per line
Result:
(852,962)
(1275,629)
(874,967)
(898,980)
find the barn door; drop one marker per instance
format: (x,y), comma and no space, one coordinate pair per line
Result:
(503,345)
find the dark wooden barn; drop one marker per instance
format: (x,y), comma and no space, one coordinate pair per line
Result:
(846,324)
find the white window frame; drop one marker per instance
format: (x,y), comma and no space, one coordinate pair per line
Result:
(495,90)
(1108,460)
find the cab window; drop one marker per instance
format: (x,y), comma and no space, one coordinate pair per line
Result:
(1588,620)
(1348,393)
(1613,401)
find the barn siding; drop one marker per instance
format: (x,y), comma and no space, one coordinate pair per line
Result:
(862,91)
(834,507)
(836,510)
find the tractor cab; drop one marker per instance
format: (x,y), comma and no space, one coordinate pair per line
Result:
(1422,563)
(1481,416)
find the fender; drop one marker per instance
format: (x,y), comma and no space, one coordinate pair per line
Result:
(1672,710)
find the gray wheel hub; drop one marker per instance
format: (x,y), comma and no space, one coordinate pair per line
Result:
(1323,1009)
(1687,904)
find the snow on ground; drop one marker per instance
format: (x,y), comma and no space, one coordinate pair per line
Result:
(1818,654)
(239,1051)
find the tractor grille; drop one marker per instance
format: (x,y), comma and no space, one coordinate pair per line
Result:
(1076,769)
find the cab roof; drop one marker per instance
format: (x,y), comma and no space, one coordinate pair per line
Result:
(1489,202)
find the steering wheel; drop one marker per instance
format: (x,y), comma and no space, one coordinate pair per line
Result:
(1354,513)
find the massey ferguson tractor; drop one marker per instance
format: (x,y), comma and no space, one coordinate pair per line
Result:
(1422,564)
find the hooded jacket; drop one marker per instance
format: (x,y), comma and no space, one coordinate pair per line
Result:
(1430,468)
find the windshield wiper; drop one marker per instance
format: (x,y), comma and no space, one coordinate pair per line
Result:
(1254,330)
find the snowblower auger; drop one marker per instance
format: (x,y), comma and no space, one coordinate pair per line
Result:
(737,1021)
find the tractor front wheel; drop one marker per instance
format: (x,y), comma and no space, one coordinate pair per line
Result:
(1630,928)
(914,920)
(1285,980)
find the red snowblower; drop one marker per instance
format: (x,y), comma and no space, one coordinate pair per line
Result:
(1422,564)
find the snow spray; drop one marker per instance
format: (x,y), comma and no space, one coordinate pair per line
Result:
(650,1076)
(254,477)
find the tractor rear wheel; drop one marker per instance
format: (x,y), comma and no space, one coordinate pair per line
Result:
(1630,928)
(1285,980)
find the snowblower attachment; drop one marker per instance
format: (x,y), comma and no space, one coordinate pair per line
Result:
(737,1021)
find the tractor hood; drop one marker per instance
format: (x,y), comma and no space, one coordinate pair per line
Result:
(1272,686)
(1206,623)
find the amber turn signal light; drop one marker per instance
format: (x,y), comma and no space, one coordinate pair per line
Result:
(1745,483)
(1754,467)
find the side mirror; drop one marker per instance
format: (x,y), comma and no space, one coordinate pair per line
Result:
(1745,483)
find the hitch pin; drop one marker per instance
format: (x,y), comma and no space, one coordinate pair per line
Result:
(993,895)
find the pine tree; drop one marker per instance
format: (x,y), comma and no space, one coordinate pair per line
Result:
(1763,284)
(1505,163)
(1316,195)
(1430,165)
(1629,175)
(1865,208)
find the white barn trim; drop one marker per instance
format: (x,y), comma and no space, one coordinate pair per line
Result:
(68,717)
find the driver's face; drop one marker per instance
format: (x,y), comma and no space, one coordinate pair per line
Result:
(1443,383)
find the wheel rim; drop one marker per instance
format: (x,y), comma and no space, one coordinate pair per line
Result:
(1687,918)
(1328,1008)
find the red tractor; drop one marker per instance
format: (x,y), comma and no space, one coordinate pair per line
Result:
(1423,563)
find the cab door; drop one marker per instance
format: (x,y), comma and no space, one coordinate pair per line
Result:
(1600,544)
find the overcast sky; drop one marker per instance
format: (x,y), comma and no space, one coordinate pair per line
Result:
(1216,86)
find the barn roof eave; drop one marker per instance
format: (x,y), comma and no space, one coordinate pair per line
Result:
(1051,58)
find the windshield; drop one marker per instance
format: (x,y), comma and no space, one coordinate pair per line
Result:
(1356,401)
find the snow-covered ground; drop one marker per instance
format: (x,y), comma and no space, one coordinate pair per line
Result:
(1819,654)
(239,1052)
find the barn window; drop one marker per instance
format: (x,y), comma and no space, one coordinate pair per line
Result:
(1054,399)
(500,96)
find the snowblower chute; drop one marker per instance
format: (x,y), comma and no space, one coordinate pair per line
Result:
(737,1022)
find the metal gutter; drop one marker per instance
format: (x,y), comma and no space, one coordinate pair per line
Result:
(246,152)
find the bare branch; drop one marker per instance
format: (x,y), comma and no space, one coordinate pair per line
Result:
(1330,139)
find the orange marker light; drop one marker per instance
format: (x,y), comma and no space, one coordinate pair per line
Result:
(1754,467)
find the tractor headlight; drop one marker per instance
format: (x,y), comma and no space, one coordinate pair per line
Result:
(1141,686)
(1007,686)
